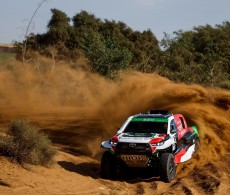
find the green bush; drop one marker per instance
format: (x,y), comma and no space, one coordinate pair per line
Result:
(26,145)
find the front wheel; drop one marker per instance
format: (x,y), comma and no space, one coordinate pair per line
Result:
(108,165)
(167,167)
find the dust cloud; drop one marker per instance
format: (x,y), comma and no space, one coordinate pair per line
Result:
(78,108)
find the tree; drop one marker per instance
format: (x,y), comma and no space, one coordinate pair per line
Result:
(202,54)
(58,26)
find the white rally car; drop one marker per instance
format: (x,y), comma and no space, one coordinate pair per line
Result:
(157,139)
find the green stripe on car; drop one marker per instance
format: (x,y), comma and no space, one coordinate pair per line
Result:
(163,120)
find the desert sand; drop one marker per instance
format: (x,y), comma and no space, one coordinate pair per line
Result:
(74,174)
(78,110)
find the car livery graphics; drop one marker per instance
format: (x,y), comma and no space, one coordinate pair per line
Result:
(157,139)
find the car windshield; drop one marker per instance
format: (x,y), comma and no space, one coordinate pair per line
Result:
(146,127)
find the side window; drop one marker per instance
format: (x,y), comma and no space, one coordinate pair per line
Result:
(182,122)
(173,128)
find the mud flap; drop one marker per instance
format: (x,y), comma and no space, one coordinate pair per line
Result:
(184,153)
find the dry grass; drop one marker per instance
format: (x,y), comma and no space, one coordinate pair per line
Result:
(25,145)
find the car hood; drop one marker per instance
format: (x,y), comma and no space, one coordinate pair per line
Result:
(141,137)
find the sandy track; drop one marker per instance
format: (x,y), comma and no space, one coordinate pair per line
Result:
(80,175)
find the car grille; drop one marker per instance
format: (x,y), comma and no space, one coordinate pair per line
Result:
(133,148)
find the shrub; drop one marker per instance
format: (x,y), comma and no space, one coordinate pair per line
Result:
(26,145)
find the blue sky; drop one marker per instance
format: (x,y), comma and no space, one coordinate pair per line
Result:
(157,15)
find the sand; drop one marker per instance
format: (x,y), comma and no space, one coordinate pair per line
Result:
(78,110)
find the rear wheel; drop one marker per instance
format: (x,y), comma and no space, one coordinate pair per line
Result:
(108,165)
(167,167)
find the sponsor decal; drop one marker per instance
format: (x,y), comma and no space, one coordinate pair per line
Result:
(163,120)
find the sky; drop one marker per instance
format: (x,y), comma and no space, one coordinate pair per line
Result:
(157,15)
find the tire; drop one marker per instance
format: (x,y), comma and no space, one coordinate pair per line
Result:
(167,167)
(122,170)
(108,165)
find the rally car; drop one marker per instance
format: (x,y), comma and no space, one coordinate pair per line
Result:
(157,139)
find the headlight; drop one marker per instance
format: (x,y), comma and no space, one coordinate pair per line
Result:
(113,143)
(114,140)
(157,144)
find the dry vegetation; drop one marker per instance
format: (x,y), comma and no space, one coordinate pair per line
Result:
(23,144)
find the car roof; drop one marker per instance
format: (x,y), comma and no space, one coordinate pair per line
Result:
(152,116)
